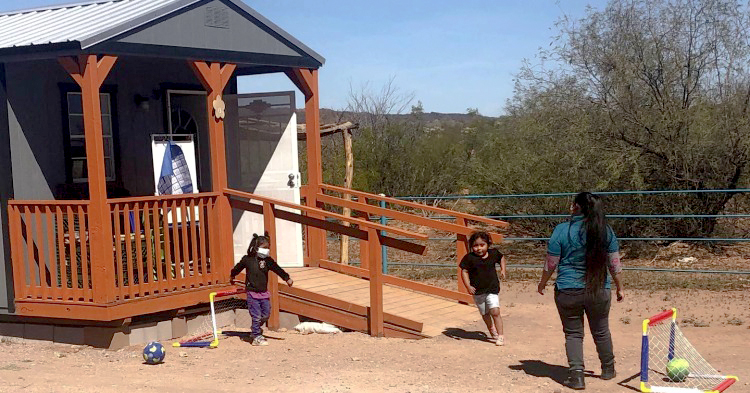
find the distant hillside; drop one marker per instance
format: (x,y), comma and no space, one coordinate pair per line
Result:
(328,116)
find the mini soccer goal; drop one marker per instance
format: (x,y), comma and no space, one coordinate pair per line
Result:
(229,317)
(670,364)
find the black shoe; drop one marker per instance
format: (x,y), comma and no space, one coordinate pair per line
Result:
(608,372)
(575,380)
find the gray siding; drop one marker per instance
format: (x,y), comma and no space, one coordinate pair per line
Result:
(204,27)
(34,118)
(6,192)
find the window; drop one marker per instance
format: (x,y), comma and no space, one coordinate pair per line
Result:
(77,150)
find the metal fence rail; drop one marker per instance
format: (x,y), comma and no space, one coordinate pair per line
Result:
(631,268)
(384,221)
(569,194)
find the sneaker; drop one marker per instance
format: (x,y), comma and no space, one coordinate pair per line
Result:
(259,341)
(493,335)
(500,341)
(575,380)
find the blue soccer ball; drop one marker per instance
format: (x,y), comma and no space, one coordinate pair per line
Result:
(153,353)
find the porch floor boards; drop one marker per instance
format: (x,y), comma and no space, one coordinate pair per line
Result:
(435,313)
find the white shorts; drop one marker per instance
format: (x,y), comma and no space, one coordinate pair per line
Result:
(486,301)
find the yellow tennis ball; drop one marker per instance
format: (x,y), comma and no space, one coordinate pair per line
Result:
(678,369)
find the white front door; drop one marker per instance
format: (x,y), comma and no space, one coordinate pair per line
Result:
(261,137)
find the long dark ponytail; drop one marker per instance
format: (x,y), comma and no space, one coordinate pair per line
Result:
(252,250)
(596,239)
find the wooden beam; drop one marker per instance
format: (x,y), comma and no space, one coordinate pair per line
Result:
(226,73)
(398,215)
(346,269)
(462,249)
(348,178)
(322,223)
(269,225)
(105,65)
(428,289)
(375,314)
(89,72)
(70,64)
(111,312)
(302,83)
(214,77)
(399,282)
(16,253)
(322,313)
(343,305)
(324,213)
(414,205)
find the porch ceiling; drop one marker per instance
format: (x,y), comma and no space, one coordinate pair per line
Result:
(213,30)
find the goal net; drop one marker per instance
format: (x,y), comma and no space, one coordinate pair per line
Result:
(669,363)
(228,317)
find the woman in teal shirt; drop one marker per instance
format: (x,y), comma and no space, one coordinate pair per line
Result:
(582,251)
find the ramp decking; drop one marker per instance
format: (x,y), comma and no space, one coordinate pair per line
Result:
(345,293)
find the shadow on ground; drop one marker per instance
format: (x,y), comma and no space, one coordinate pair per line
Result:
(540,369)
(626,383)
(461,334)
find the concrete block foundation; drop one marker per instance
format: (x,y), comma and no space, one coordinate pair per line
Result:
(136,333)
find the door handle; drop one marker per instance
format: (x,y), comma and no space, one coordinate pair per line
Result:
(290,183)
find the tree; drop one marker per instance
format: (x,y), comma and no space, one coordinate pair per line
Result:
(663,84)
(417,109)
(371,109)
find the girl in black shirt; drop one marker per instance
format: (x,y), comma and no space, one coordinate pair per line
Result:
(256,265)
(480,277)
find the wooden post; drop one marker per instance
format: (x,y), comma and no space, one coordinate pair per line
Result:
(305,229)
(348,178)
(376,283)
(214,78)
(16,253)
(269,224)
(307,81)
(89,72)
(364,255)
(462,248)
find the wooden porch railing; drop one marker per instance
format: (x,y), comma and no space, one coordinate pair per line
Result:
(369,232)
(403,211)
(163,244)
(49,250)
(160,245)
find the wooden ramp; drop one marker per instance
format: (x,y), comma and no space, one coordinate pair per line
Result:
(343,300)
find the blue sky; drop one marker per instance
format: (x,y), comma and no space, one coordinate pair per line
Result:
(452,55)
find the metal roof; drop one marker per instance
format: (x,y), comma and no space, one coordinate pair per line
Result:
(73,22)
(93,22)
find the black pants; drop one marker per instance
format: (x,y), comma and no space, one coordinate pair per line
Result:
(572,304)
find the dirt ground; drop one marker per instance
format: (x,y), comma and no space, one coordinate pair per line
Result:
(717,323)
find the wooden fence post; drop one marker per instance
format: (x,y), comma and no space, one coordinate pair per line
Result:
(89,72)
(214,77)
(462,248)
(269,224)
(375,317)
(348,179)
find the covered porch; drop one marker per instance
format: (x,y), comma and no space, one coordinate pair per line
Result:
(104,247)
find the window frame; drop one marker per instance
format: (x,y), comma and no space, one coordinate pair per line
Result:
(111,91)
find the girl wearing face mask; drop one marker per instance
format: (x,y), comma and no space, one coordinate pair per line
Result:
(256,265)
